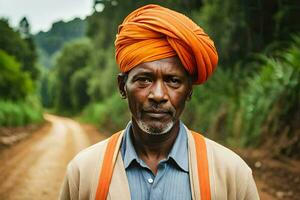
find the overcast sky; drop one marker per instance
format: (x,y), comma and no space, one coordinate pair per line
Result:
(42,13)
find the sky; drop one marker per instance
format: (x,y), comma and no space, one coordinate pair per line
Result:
(42,13)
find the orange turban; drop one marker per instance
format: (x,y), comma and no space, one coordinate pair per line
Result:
(153,32)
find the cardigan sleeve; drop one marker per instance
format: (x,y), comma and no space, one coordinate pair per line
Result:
(251,190)
(81,179)
(69,189)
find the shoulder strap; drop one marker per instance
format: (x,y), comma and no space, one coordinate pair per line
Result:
(202,163)
(107,168)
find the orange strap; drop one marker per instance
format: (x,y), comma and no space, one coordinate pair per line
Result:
(108,165)
(107,168)
(202,163)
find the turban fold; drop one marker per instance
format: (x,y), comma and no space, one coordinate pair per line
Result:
(153,32)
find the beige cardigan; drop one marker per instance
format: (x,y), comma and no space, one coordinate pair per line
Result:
(230,177)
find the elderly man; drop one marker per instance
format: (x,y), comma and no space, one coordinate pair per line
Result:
(161,54)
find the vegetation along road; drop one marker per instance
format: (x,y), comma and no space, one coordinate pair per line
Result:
(35,167)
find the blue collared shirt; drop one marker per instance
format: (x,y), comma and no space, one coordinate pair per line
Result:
(172,179)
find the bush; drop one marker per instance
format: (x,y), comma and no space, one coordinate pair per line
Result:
(20,113)
(212,107)
(278,82)
(111,115)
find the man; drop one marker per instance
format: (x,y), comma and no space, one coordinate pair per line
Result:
(161,54)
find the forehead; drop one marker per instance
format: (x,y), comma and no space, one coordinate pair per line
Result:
(166,66)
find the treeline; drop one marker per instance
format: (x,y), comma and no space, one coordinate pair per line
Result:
(253,96)
(50,42)
(19,103)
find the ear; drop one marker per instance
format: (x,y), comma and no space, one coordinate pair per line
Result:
(189,97)
(122,78)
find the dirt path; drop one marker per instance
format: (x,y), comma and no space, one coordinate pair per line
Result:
(35,167)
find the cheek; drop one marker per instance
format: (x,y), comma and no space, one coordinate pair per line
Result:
(135,100)
(178,100)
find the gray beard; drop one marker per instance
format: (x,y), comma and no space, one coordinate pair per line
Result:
(155,130)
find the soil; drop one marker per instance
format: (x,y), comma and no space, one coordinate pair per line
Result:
(34,168)
(277,178)
(33,161)
(12,135)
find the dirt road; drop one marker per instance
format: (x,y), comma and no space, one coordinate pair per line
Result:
(35,167)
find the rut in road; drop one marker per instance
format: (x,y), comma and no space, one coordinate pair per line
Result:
(35,168)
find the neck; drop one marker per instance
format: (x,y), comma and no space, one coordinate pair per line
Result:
(153,147)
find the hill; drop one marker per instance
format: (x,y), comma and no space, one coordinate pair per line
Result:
(50,42)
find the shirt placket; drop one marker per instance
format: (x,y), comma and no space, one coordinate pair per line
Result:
(156,187)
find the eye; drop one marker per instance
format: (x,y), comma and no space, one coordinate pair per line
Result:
(174,82)
(142,80)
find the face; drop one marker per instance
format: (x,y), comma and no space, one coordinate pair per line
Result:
(156,93)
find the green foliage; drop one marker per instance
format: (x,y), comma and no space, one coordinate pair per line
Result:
(51,42)
(48,86)
(60,33)
(94,113)
(22,49)
(11,41)
(244,108)
(111,114)
(79,85)
(75,56)
(225,23)
(30,60)
(278,81)
(103,80)
(213,104)
(20,113)
(240,28)
(14,84)
(18,74)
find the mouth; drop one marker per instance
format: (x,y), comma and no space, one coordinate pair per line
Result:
(157,113)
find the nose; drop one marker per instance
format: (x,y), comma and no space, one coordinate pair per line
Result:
(158,92)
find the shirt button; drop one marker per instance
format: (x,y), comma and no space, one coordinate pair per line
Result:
(150,180)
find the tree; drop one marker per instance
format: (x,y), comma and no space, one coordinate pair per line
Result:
(74,57)
(11,41)
(79,85)
(241,28)
(14,84)
(24,28)
(22,49)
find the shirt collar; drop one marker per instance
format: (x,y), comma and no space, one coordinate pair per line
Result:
(179,151)
(128,152)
